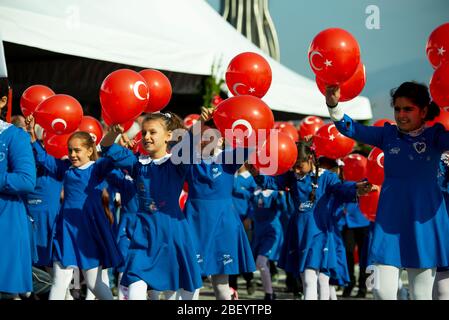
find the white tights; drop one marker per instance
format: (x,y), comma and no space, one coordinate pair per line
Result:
(138,291)
(220,283)
(63,277)
(386,279)
(441,286)
(105,278)
(262,263)
(311,279)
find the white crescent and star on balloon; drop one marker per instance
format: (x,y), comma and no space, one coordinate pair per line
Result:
(243,122)
(327,62)
(59,120)
(136,87)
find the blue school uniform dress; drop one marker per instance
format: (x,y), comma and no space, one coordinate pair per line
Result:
(412,225)
(17,177)
(267,207)
(84,237)
(443,181)
(311,242)
(161,252)
(43,205)
(126,187)
(222,246)
(244,186)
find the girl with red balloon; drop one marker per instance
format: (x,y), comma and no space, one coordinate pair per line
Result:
(18,177)
(310,248)
(82,213)
(411,230)
(161,252)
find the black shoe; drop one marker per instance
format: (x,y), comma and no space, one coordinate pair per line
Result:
(347,292)
(361,294)
(270,296)
(250,287)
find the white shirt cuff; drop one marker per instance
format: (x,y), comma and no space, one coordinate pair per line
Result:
(336,113)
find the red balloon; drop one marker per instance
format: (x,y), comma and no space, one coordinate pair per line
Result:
(288,129)
(355,167)
(59,114)
(309,126)
(248,73)
(123,95)
(330,143)
(443,118)
(159,87)
(109,123)
(216,100)
(32,96)
(56,145)
(276,156)
(439,86)
(375,166)
(138,148)
(351,88)
(247,113)
(368,204)
(183,199)
(437,48)
(93,127)
(334,55)
(381,122)
(190,120)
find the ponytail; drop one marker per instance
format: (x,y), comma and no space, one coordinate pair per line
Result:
(433,111)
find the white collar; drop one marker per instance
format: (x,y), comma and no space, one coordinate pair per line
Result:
(3,126)
(245,174)
(312,173)
(145,159)
(266,193)
(416,132)
(84,166)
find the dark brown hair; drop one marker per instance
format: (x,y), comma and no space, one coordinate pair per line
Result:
(170,120)
(105,202)
(305,152)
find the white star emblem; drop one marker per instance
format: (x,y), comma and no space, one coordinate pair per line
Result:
(331,137)
(328,63)
(252,90)
(441,51)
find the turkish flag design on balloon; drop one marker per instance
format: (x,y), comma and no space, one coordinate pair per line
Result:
(355,167)
(443,118)
(241,117)
(439,86)
(351,88)
(123,96)
(191,119)
(56,145)
(276,156)
(93,127)
(32,97)
(248,73)
(375,166)
(288,129)
(437,48)
(309,126)
(159,87)
(368,204)
(59,114)
(334,55)
(381,122)
(330,143)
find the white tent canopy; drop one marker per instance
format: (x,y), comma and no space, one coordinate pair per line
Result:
(185,36)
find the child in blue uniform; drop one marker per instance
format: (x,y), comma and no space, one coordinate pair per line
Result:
(84,237)
(161,253)
(266,209)
(310,248)
(412,225)
(219,236)
(17,177)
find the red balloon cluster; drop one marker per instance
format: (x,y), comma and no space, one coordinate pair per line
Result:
(190,120)
(56,145)
(126,125)
(59,114)
(330,143)
(240,118)
(288,129)
(443,118)
(381,122)
(159,87)
(355,167)
(124,95)
(334,55)
(349,89)
(93,127)
(368,204)
(32,97)
(439,86)
(375,166)
(437,48)
(248,73)
(276,156)
(309,126)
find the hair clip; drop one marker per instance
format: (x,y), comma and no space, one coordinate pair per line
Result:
(167,115)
